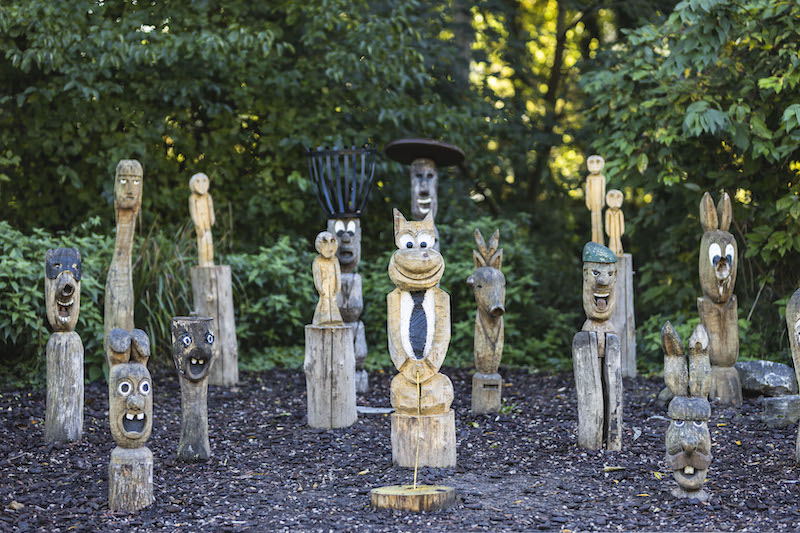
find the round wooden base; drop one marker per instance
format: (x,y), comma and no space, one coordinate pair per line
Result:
(407,498)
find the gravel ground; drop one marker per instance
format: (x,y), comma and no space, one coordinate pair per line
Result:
(517,471)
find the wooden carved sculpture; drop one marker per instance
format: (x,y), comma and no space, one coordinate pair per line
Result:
(201,209)
(793,326)
(423,425)
(489,286)
(615,221)
(718,306)
(623,316)
(596,354)
(119,283)
(327,280)
(193,355)
(688,439)
(595,195)
(130,413)
(63,420)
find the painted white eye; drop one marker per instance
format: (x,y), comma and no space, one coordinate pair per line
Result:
(729,251)
(426,240)
(678,423)
(698,424)
(210,338)
(125,388)
(714,254)
(338,227)
(186,340)
(123,181)
(405,241)
(136,182)
(144,388)
(351,227)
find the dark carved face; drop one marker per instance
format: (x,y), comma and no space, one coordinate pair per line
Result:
(130,393)
(489,285)
(348,233)
(718,261)
(128,184)
(424,184)
(689,452)
(599,280)
(415,265)
(62,287)
(192,346)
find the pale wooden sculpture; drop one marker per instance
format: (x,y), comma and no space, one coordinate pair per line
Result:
(327,280)
(596,355)
(119,283)
(595,195)
(718,306)
(489,285)
(615,221)
(130,413)
(201,209)
(793,326)
(193,355)
(688,440)
(63,420)
(350,299)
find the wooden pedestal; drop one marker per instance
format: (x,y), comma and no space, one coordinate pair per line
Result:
(194,445)
(130,479)
(487,390)
(726,386)
(436,435)
(330,368)
(63,420)
(407,498)
(212,291)
(623,318)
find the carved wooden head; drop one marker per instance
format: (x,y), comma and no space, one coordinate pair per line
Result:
(326,244)
(130,388)
(199,183)
(688,440)
(424,186)
(415,265)
(128,185)
(62,287)
(348,233)
(599,281)
(595,164)
(718,249)
(487,281)
(614,198)
(192,346)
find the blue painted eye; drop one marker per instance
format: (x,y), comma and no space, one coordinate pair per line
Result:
(679,423)
(186,340)
(698,424)
(409,244)
(423,244)
(209,338)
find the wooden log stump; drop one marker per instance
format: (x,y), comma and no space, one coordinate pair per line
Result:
(487,390)
(622,317)
(612,394)
(435,434)
(212,291)
(422,498)
(63,420)
(330,376)
(130,479)
(726,386)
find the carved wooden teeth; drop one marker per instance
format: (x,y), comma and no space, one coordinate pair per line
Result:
(65,304)
(598,295)
(689,470)
(63,318)
(423,201)
(131,416)
(140,416)
(194,361)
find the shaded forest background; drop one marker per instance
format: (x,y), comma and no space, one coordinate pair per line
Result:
(679,98)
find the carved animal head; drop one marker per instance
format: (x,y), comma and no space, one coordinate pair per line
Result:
(718,249)
(487,281)
(424,184)
(62,287)
(192,346)
(199,183)
(128,185)
(130,388)
(599,281)
(348,233)
(415,265)
(326,244)
(688,439)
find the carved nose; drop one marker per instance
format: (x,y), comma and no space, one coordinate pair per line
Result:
(67,290)
(135,401)
(497,311)
(689,443)
(344,237)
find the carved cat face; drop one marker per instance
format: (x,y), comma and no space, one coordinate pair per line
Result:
(719,253)
(348,233)
(424,185)
(192,346)
(599,296)
(62,288)
(415,265)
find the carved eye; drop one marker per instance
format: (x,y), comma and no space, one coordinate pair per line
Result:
(186,340)
(351,227)
(405,241)
(123,181)
(698,424)
(210,338)
(125,388)
(729,251)
(426,240)
(57,265)
(136,182)
(144,388)
(714,254)
(75,266)
(678,423)
(338,227)
(596,272)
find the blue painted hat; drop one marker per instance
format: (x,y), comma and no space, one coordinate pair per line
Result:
(597,253)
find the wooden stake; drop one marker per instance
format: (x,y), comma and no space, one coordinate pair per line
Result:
(212,290)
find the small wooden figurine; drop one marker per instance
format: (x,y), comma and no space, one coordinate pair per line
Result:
(596,354)
(63,420)
(489,285)
(118,311)
(595,195)
(193,355)
(793,326)
(201,209)
(130,414)
(688,439)
(327,280)
(718,306)
(615,221)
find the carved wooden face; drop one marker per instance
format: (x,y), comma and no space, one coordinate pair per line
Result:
(595,164)
(689,452)
(415,265)
(326,244)
(348,234)
(424,185)
(489,285)
(62,287)
(192,346)
(128,185)
(719,257)
(199,183)
(599,280)
(614,198)
(130,393)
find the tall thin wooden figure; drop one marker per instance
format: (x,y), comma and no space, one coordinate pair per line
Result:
(595,195)
(201,209)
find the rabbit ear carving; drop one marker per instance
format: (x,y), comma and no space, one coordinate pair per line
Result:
(708,213)
(699,363)
(725,212)
(676,373)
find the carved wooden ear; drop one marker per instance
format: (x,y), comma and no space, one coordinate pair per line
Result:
(140,347)
(471,281)
(725,212)
(118,346)
(676,373)
(399,219)
(497,259)
(699,363)
(480,242)
(494,242)
(480,262)
(708,213)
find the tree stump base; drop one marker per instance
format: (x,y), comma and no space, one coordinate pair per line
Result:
(212,292)
(435,434)
(407,498)
(130,479)
(63,419)
(487,391)
(623,318)
(726,386)
(330,368)
(362,381)
(701,494)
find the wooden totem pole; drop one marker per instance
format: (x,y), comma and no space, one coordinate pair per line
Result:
(63,420)
(330,363)
(623,317)
(119,283)
(423,425)
(595,195)
(718,307)
(793,326)
(596,354)
(130,414)
(489,285)
(212,289)
(688,439)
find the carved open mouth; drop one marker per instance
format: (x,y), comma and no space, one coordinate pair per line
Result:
(197,366)
(601,300)
(424,204)
(133,422)
(346,256)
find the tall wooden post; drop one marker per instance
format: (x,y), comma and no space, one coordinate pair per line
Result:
(212,291)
